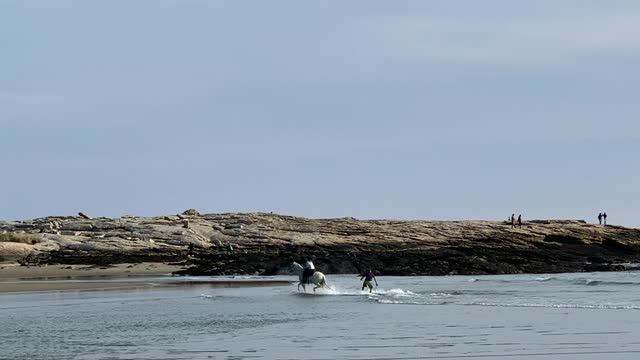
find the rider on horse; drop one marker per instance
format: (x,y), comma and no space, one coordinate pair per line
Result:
(309,269)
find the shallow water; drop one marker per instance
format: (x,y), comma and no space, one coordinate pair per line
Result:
(560,316)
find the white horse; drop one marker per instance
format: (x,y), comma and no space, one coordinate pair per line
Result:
(318,279)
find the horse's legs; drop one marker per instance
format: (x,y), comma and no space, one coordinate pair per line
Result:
(322,285)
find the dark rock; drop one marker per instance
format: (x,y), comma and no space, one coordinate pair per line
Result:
(617,245)
(597,259)
(563,239)
(604,267)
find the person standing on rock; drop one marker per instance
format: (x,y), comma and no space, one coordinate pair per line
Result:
(600,218)
(368,277)
(513,221)
(520,220)
(309,269)
(604,217)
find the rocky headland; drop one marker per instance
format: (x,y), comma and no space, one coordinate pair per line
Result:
(266,244)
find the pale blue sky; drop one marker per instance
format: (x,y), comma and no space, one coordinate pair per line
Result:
(372,109)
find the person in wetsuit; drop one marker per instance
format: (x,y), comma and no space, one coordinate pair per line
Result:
(368,277)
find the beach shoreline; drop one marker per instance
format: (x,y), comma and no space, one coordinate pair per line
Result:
(17,271)
(15,278)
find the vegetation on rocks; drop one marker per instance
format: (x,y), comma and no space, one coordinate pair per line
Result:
(19,238)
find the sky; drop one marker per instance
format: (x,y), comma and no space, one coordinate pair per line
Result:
(441,110)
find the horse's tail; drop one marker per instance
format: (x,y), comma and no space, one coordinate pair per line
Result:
(323,283)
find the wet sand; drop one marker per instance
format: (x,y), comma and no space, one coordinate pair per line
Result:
(15,271)
(15,278)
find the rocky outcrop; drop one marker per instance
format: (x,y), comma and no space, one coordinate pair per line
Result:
(258,243)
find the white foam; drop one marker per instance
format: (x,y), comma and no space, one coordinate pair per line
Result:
(441,295)
(397,293)
(544,278)
(388,301)
(410,302)
(559,306)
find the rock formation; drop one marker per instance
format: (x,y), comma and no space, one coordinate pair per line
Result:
(268,243)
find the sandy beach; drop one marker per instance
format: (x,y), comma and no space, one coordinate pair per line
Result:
(15,271)
(16,278)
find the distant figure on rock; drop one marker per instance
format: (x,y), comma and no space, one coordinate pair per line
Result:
(513,220)
(309,269)
(368,276)
(600,218)
(520,221)
(604,217)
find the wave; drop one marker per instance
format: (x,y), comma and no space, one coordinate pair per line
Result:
(545,278)
(553,279)
(570,291)
(487,298)
(402,302)
(558,306)
(586,281)
(592,282)
(397,293)
(491,280)
(421,300)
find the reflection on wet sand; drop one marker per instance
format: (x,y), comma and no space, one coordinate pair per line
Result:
(124,276)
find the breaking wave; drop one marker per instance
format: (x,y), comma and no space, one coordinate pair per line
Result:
(558,306)
(553,279)
(558,291)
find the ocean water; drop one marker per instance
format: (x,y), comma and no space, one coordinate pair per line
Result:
(559,316)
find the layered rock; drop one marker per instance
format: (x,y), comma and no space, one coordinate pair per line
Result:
(258,243)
